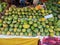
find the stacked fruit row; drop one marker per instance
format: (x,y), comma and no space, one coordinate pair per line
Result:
(29,22)
(55,7)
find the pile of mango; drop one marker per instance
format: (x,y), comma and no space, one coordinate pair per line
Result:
(34,21)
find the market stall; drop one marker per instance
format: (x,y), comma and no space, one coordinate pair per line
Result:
(30,25)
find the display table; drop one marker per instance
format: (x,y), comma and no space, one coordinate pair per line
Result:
(19,41)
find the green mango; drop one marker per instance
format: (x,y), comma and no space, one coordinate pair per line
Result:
(36,30)
(35,25)
(34,34)
(25,33)
(17,33)
(41,30)
(58,24)
(30,22)
(4,33)
(57,34)
(43,34)
(11,25)
(16,25)
(23,30)
(4,4)
(40,26)
(11,29)
(32,27)
(8,22)
(47,34)
(46,30)
(20,26)
(12,33)
(1,24)
(6,29)
(28,30)
(18,30)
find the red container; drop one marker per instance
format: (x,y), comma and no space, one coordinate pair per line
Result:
(50,41)
(43,0)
